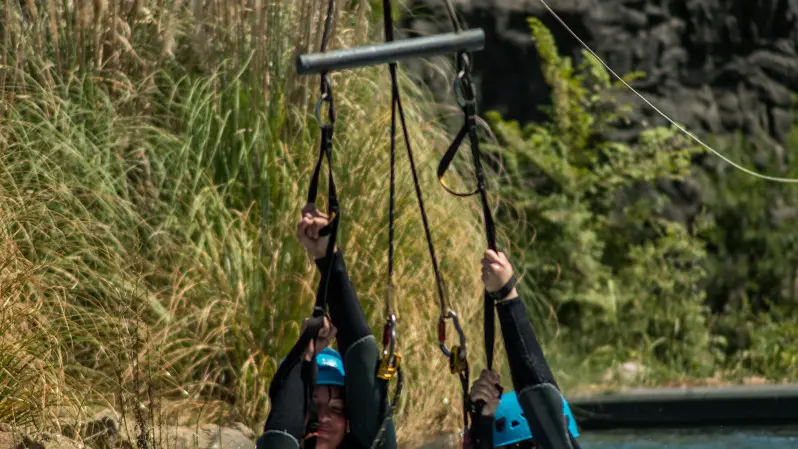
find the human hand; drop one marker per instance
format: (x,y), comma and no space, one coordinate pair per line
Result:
(496,272)
(487,389)
(326,334)
(308,230)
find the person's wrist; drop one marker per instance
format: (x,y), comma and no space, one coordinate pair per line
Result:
(500,293)
(512,295)
(320,255)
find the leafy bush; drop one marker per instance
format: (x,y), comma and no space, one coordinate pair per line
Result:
(753,254)
(624,281)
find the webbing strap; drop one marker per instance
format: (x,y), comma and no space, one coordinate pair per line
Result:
(465,92)
(466,97)
(458,360)
(320,308)
(327,130)
(325,152)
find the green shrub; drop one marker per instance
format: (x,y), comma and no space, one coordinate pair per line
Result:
(753,254)
(623,281)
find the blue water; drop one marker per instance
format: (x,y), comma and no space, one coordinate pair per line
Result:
(703,438)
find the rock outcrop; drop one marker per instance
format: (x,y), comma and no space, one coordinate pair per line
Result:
(713,65)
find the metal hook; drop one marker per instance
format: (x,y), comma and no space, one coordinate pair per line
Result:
(463,62)
(390,324)
(389,364)
(464,97)
(323,98)
(442,335)
(326,96)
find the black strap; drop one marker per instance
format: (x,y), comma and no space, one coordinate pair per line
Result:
(325,152)
(327,130)
(464,386)
(320,308)
(467,102)
(387,411)
(307,374)
(465,91)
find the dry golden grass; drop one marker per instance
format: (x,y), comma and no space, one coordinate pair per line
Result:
(155,156)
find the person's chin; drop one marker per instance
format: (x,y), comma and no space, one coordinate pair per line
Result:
(324,441)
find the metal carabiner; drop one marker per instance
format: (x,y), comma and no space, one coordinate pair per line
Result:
(389,336)
(323,98)
(442,335)
(464,97)
(326,96)
(389,364)
(463,62)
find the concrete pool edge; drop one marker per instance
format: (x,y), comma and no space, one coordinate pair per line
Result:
(688,406)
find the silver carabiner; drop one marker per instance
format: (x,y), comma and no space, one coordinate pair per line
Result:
(319,102)
(459,91)
(326,95)
(392,344)
(442,335)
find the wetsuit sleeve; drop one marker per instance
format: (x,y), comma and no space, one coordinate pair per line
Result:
(284,427)
(533,381)
(342,302)
(366,401)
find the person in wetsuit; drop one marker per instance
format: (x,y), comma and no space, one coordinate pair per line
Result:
(536,414)
(349,417)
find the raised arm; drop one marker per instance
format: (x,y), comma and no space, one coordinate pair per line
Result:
(365,397)
(532,378)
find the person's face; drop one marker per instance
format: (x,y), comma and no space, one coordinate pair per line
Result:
(329,402)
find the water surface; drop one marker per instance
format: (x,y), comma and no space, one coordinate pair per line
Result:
(726,437)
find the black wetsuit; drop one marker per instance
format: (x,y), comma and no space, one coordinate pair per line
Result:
(365,399)
(533,381)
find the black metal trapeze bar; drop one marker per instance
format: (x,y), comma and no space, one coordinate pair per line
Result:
(419,47)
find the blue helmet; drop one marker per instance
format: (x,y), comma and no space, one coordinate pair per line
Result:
(513,426)
(331,368)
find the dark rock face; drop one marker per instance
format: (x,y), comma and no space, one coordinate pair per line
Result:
(712,65)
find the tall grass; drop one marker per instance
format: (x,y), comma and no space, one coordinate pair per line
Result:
(154,157)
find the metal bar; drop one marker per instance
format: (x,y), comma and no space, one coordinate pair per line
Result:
(419,47)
